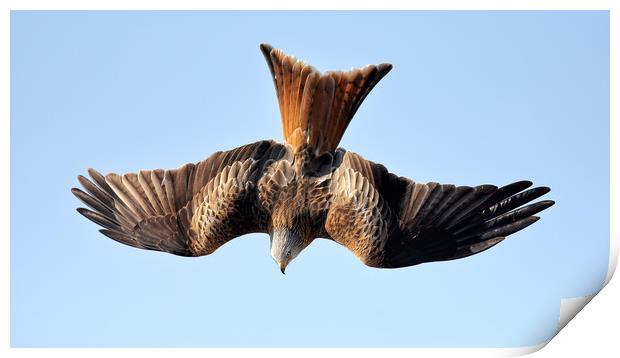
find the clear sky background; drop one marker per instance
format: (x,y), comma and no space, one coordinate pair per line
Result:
(474,97)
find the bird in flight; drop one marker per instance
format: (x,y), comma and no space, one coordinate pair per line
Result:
(306,188)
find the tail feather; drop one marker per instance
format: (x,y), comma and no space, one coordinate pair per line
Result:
(316,108)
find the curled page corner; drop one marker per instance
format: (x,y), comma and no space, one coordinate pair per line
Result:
(569,307)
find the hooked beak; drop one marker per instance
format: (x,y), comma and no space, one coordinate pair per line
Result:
(282,267)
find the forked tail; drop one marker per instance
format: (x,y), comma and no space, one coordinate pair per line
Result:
(316,107)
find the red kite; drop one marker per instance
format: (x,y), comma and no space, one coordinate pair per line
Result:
(306,188)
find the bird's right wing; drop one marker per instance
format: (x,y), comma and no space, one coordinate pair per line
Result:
(189,211)
(390,221)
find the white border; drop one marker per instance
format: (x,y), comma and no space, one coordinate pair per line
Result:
(314,5)
(593,335)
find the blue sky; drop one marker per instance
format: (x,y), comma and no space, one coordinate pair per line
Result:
(474,97)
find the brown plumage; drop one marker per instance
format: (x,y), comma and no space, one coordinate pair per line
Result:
(307,188)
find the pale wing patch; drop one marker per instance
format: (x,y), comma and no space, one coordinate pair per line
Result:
(416,195)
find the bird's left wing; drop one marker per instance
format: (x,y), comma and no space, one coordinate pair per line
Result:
(189,211)
(390,221)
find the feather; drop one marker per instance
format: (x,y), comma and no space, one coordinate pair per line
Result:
(92,202)
(98,218)
(96,192)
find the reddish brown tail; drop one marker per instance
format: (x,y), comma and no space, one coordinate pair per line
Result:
(316,108)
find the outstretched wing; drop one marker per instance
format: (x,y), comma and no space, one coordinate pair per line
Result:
(390,221)
(189,211)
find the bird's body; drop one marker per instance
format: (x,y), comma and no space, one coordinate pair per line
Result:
(307,188)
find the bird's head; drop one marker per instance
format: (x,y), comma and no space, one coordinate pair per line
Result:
(285,246)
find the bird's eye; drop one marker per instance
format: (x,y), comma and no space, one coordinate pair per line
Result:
(288,254)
